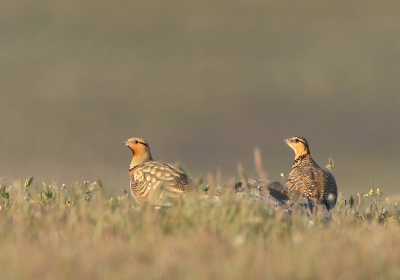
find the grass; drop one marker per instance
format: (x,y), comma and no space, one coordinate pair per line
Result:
(78,232)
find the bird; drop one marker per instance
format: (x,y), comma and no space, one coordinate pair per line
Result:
(306,177)
(153,182)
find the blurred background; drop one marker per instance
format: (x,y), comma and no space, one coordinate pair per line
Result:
(204,82)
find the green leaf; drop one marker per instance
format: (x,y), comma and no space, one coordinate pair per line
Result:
(351,202)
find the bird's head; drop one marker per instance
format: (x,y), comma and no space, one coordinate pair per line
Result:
(140,149)
(299,145)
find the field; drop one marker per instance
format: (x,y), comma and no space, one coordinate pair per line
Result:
(204,83)
(78,232)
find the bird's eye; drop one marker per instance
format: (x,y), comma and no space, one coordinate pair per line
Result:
(136,142)
(295,140)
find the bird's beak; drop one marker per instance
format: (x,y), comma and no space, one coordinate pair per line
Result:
(125,143)
(286,141)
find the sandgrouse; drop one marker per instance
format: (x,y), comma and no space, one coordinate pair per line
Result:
(308,178)
(153,182)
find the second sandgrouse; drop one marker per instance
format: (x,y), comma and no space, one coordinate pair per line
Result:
(308,178)
(153,182)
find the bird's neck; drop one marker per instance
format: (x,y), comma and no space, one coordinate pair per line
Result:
(301,157)
(136,160)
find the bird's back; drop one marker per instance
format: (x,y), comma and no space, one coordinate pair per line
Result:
(152,182)
(313,181)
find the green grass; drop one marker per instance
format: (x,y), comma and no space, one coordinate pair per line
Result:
(78,232)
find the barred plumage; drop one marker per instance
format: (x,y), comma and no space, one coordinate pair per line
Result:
(153,182)
(308,178)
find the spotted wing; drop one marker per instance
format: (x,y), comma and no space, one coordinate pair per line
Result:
(330,189)
(153,180)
